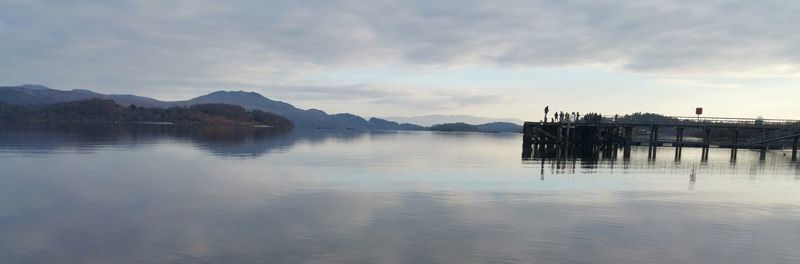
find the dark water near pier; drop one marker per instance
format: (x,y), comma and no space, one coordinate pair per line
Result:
(162,194)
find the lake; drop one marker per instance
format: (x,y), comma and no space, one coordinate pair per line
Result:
(167,194)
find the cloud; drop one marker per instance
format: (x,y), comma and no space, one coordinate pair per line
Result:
(179,47)
(363,98)
(640,35)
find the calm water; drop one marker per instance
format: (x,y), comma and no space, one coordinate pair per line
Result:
(160,194)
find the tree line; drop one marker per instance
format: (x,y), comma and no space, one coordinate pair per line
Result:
(104,110)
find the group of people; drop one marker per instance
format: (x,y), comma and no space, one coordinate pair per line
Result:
(562,117)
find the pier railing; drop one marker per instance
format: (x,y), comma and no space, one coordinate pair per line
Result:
(694,121)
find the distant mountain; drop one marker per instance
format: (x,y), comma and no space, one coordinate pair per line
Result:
(430,120)
(382,124)
(37,94)
(302,118)
(311,118)
(495,127)
(459,126)
(500,127)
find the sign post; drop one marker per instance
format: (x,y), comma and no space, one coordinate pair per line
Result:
(698,111)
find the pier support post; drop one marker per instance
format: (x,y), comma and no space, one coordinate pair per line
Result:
(654,151)
(567,144)
(527,147)
(628,134)
(541,149)
(653,135)
(735,146)
(614,151)
(527,142)
(653,142)
(679,144)
(706,144)
(763,155)
(559,146)
(794,148)
(626,152)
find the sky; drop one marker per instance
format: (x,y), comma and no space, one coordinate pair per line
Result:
(500,58)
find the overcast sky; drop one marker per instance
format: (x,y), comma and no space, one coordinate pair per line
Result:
(394,58)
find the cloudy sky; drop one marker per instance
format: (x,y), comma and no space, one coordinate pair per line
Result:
(394,58)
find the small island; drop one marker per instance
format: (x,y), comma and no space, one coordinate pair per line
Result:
(105,110)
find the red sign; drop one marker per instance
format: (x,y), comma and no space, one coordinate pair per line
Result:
(698,111)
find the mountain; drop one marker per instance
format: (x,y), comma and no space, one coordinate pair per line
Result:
(430,120)
(252,100)
(38,94)
(311,118)
(249,100)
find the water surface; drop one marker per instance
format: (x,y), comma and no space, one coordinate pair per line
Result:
(164,194)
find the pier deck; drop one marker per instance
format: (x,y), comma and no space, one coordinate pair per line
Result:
(561,138)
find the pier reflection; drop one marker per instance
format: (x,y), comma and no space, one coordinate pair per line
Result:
(644,160)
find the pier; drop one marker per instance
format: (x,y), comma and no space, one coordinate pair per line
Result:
(608,134)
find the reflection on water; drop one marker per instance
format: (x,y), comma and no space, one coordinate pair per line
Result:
(155,194)
(218,140)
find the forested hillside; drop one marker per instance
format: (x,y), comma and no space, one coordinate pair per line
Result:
(104,110)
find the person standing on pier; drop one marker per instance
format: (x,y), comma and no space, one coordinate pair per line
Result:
(546,110)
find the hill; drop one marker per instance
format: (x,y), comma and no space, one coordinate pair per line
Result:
(430,120)
(27,95)
(311,118)
(38,94)
(106,110)
(500,127)
(382,124)
(460,126)
(495,127)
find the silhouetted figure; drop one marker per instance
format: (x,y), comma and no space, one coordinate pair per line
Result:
(546,110)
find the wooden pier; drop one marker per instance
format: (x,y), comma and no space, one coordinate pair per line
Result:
(566,138)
